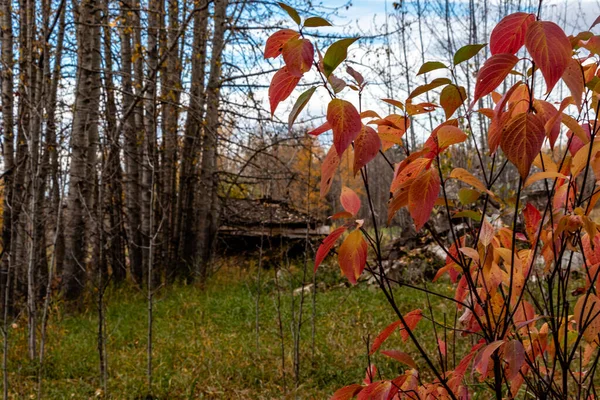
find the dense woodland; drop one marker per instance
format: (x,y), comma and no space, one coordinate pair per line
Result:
(127,126)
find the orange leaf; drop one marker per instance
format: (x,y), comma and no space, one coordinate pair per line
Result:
(465,176)
(587,314)
(522,140)
(350,200)
(451,98)
(345,123)
(394,103)
(422,195)
(487,233)
(538,176)
(282,85)
(550,49)
(493,73)
(276,41)
(509,35)
(408,170)
(573,78)
(449,135)
(583,155)
(352,255)
(369,114)
(327,245)
(400,356)
(366,147)
(328,168)
(298,55)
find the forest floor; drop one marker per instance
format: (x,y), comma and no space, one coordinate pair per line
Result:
(205,341)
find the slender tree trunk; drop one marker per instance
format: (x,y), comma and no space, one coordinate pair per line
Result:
(208,176)
(150,158)
(132,148)
(113,179)
(187,251)
(7,139)
(85,118)
(170,93)
(6,66)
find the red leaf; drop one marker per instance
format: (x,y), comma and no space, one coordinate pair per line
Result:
(345,122)
(575,142)
(366,147)
(328,168)
(369,374)
(341,215)
(422,196)
(461,368)
(298,55)
(320,129)
(327,245)
(481,362)
(355,74)
(282,85)
(551,118)
(276,41)
(376,391)
(347,392)
(400,356)
(352,255)
(522,140)
(532,221)
(412,319)
(493,73)
(509,35)
(442,347)
(350,200)
(513,353)
(550,49)
(499,119)
(382,337)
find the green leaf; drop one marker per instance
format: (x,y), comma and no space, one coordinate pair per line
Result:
(299,105)
(429,86)
(467,52)
(315,22)
(291,12)
(431,66)
(474,215)
(335,54)
(468,196)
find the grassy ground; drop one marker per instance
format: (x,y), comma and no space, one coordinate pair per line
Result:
(205,342)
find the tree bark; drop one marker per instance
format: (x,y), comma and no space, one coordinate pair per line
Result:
(85,119)
(207,215)
(186,224)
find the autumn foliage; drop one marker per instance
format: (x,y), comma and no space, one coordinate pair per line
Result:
(526,296)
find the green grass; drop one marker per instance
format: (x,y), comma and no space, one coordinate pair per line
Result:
(205,342)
